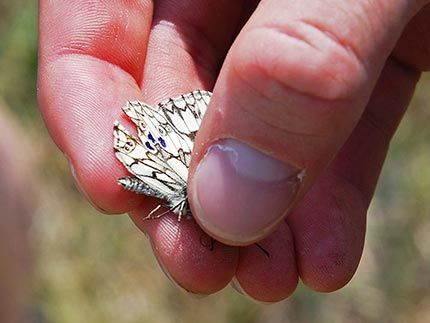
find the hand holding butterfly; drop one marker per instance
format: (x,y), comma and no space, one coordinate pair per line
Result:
(307,95)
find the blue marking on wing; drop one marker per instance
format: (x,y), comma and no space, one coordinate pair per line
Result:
(162,142)
(148,145)
(151,137)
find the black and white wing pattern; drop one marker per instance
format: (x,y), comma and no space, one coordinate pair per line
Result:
(160,155)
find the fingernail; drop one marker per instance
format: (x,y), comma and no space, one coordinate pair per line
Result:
(241,193)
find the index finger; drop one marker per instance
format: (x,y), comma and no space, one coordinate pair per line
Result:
(91,58)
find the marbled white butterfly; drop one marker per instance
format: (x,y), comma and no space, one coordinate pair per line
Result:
(159,157)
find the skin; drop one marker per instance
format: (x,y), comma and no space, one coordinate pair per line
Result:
(340,116)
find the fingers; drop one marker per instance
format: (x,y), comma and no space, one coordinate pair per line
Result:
(329,224)
(190,258)
(186,47)
(268,277)
(289,94)
(91,57)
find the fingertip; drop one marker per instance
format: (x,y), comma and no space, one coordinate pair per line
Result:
(329,228)
(80,98)
(192,260)
(101,189)
(268,277)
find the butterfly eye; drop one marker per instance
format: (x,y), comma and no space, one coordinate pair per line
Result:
(129,145)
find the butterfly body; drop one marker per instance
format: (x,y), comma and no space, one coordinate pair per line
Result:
(160,155)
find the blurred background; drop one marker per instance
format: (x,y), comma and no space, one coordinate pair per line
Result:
(88,267)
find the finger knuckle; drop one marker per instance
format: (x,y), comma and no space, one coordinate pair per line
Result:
(302,57)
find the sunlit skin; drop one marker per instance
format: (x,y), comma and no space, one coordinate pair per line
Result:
(333,103)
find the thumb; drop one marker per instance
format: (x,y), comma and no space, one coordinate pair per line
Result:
(290,92)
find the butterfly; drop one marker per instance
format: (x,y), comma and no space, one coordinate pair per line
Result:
(159,157)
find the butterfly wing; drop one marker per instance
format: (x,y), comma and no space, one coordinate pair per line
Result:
(170,128)
(150,168)
(160,156)
(186,112)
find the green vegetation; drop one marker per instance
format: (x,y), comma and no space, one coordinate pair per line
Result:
(97,268)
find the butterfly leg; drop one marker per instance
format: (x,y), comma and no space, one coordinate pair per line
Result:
(149,216)
(173,209)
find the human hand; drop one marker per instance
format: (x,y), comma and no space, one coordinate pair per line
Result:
(314,84)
